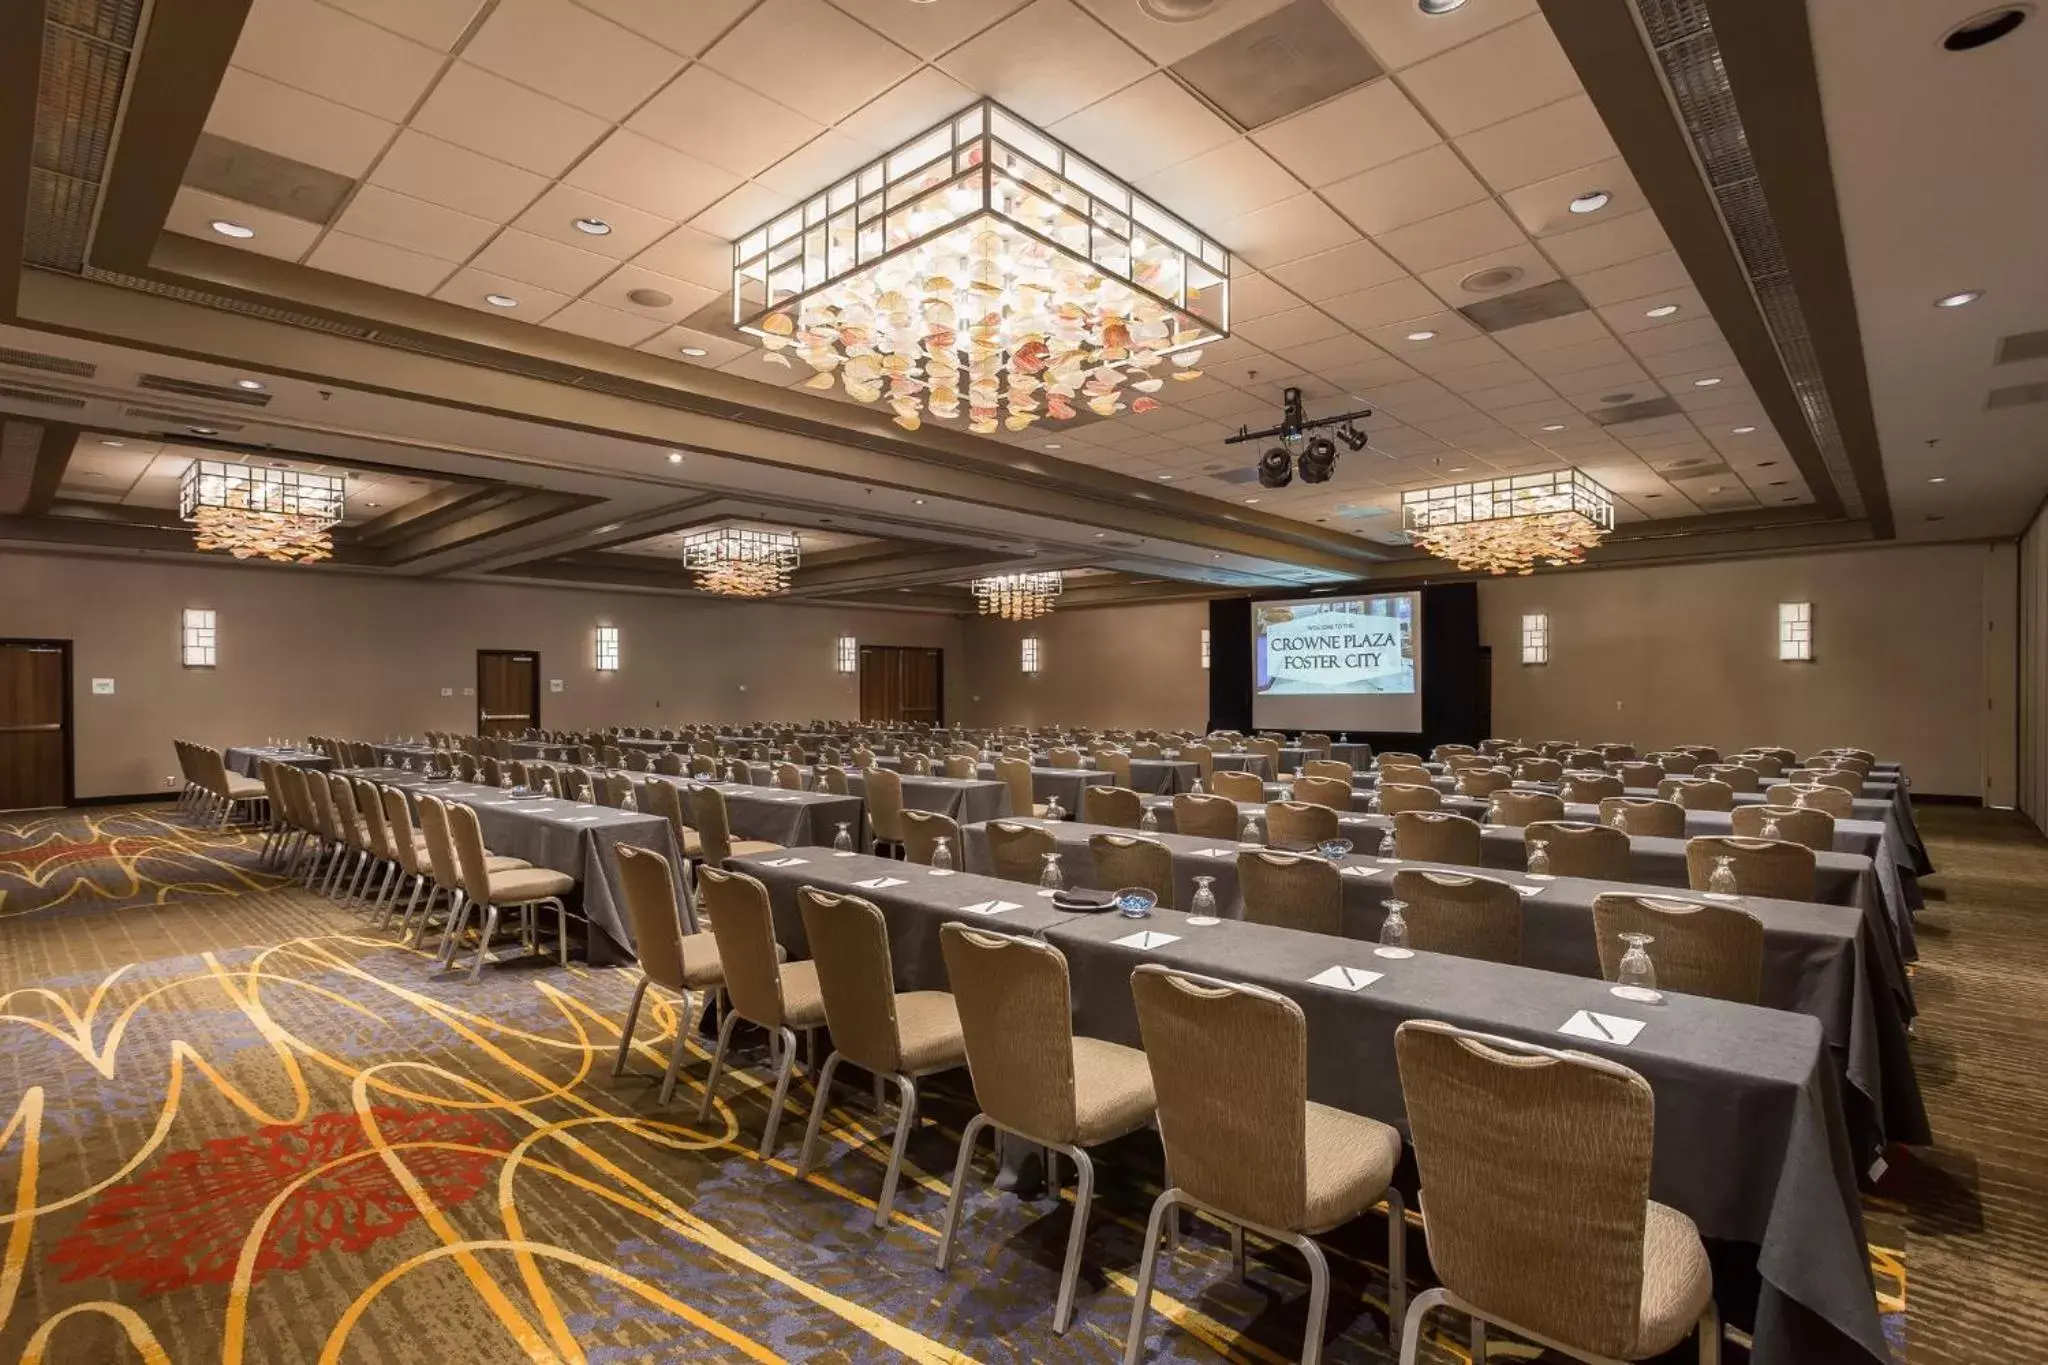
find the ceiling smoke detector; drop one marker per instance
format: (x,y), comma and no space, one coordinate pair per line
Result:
(1492,278)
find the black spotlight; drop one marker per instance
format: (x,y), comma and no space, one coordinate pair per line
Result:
(1318,460)
(1276,469)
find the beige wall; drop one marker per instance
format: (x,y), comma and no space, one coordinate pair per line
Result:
(1688,653)
(1117,666)
(2033,672)
(303,651)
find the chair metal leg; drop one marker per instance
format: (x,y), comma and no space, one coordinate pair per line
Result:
(785,1065)
(717,1062)
(561,931)
(1148,1267)
(818,1107)
(1710,1334)
(1478,1340)
(1237,1252)
(1084,1195)
(451,928)
(483,944)
(626,1029)
(1318,1299)
(960,1166)
(680,1049)
(906,1123)
(1411,1325)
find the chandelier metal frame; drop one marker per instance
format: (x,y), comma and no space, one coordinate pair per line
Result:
(1511,525)
(1018,596)
(742,561)
(256,511)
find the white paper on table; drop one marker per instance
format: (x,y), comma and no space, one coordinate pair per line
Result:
(785,862)
(1527,891)
(1215,853)
(1147,938)
(1048,893)
(1345,978)
(1354,870)
(991,907)
(1604,1028)
(880,883)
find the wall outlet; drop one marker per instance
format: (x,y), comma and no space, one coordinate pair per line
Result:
(469,691)
(103,687)
(554,684)
(447,691)
(171,783)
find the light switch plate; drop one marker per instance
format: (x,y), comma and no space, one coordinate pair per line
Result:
(447,691)
(554,684)
(103,687)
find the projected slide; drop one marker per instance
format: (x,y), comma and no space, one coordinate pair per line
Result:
(1338,663)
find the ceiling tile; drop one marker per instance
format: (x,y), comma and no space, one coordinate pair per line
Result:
(1445,328)
(829,157)
(259,112)
(1492,374)
(926,99)
(598,323)
(1508,71)
(1633,314)
(1544,208)
(555,213)
(471,287)
(1632,280)
(572,54)
(485,113)
(682,28)
(1295,328)
(1331,354)
(1144,128)
(399,220)
(1401,35)
(1474,230)
(1535,146)
(641,172)
(1361,380)
(362,259)
(1348,269)
(1448,356)
(1675,336)
(1217,186)
(687,298)
(1570,330)
(276,235)
(926,29)
(439,24)
(455,177)
(1394,301)
(717,350)
(712,118)
(1609,242)
(1525,258)
(740,212)
(1286,231)
(1363,128)
(1167,41)
(1506,396)
(1430,182)
(1255,296)
(688,254)
(1714,355)
(535,260)
(811,56)
(1046,61)
(1563,360)
(336,56)
(755,365)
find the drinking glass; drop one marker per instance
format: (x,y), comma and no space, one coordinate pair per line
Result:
(1053,811)
(1394,933)
(1149,821)
(1372,807)
(547,787)
(504,782)
(1196,790)
(1621,819)
(1387,853)
(1052,879)
(1635,976)
(1202,909)
(1250,834)
(1539,858)
(586,795)
(942,854)
(1771,829)
(408,763)
(1721,881)
(842,842)
(629,803)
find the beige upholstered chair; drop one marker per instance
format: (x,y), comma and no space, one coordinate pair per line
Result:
(1204,759)
(883,791)
(1535,1180)
(1148,749)
(1802,825)
(1017,852)
(1324,791)
(893,1035)
(961,767)
(1639,776)
(1266,745)
(781,997)
(1245,1144)
(669,957)
(1063,758)
(1677,762)
(1294,891)
(1765,765)
(1238,785)
(1697,793)
(1032,1077)
(1399,758)
(1482,781)
(614,789)
(1334,768)
(922,830)
(1207,816)
(1466,762)
(1116,763)
(1539,770)
(637,761)
(1407,796)
(1848,779)
(1016,774)
(1697,948)
(1776,869)
(1812,796)
(1617,753)
(1575,850)
(703,765)
(1475,917)
(1117,806)
(1588,788)
(1736,776)
(1122,860)
(1646,817)
(1298,824)
(525,890)
(831,779)
(1315,740)
(789,777)
(353,832)
(714,829)
(1514,808)
(1413,774)
(1436,836)
(666,800)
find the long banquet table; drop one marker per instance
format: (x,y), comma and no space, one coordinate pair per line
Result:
(1750,1141)
(247,761)
(965,799)
(763,812)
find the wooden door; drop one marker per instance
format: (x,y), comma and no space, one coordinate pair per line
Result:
(902,684)
(35,724)
(507,691)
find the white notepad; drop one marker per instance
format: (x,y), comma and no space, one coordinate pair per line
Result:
(1527,891)
(785,862)
(1354,870)
(880,883)
(1216,852)
(1147,938)
(1344,978)
(991,907)
(1048,893)
(1603,1028)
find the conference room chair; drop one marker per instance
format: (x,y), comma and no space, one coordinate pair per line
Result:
(416,873)
(1535,1173)
(1582,759)
(1777,869)
(1015,773)
(1697,793)
(1765,765)
(354,834)
(712,819)
(1409,773)
(232,789)
(609,756)
(1801,825)
(1205,815)
(883,792)
(1539,770)
(1116,763)
(1245,1144)
(1017,852)
(831,779)
(466,767)
(782,997)
(1737,776)
(895,1036)
(1705,753)
(616,790)
(526,891)
(1462,916)
(916,765)
(1516,808)
(1575,850)
(1406,796)
(1033,1077)
(1587,789)
(1267,745)
(1063,758)
(863,757)
(1396,758)
(1238,785)
(1444,753)
(669,958)
(703,765)
(1436,836)
(922,830)
(1676,762)
(1697,948)
(962,767)
(1812,796)
(669,763)
(1299,824)
(1334,768)
(1482,781)
(329,845)
(1647,817)
(1317,740)
(1495,744)
(666,800)
(1123,860)
(1117,806)
(275,821)
(1458,764)
(1641,775)
(1148,749)
(491,771)
(1204,759)
(1555,748)
(1292,890)
(380,881)
(638,761)
(789,777)
(1018,751)
(300,832)
(1847,779)
(1323,791)
(1616,753)
(1866,755)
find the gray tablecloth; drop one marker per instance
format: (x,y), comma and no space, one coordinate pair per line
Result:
(1750,1138)
(965,799)
(533,749)
(767,813)
(247,761)
(1227,762)
(1047,783)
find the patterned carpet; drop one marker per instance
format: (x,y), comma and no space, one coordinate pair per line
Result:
(235,1125)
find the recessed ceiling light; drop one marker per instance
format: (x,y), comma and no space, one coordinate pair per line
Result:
(115,444)
(1939,478)
(1958,300)
(1251,500)
(1706,383)
(501,301)
(1555,426)
(250,384)
(1744,431)
(608,526)
(228,228)
(1166,476)
(1215,556)
(1984,28)
(1438,6)
(204,431)
(1456,469)
(1102,535)
(675,457)
(694,352)
(596,227)
(373,504)
(1421,336)
(1715,489)
(1052,445)
(918,501)
(1592,201)
(1662,310)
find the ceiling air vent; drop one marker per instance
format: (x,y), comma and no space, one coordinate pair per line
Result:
(2022,346)
(192,388)
(1537,303)
(10,393)
(182,419)
(55,364)
(1300,54)
(1661,406)
(2017,395)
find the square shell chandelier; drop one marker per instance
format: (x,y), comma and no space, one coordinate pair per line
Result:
(1510,525)
(1017,596)
(982,268)
(742,561)
(257,512)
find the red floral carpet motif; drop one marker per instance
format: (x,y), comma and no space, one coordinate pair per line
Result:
(185,1222)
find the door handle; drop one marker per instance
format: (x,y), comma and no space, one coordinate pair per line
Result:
(30,729)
